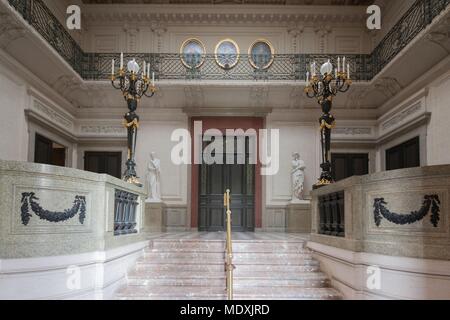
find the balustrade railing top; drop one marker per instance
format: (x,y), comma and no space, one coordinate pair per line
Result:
(168,66)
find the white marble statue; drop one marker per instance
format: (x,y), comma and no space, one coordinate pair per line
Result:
(153,179)
(298,177)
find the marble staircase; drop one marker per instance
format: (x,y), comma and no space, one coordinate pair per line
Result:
(188,269)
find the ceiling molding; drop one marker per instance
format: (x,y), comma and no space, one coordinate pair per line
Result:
(207,15)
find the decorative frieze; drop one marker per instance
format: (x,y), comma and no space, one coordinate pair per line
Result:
(53,115)
(103,130)
(431,203)
(399,117)
(353,131)
(31,202)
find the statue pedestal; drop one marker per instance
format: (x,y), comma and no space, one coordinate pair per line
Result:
(298,216)
(154,218)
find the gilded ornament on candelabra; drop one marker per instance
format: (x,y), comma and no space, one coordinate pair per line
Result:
(324,86)
(134,83)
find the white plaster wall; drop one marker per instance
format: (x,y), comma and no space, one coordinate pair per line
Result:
(438,139)
(13,125)
(155,136)
(299,137)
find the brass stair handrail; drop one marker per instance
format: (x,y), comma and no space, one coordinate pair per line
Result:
(229,248)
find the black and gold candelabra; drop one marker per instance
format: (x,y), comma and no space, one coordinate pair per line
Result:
(134,84)
(324,86)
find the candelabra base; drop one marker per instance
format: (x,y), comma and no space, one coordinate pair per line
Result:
(322,183)
(130,175)
(325,177)
(133,180)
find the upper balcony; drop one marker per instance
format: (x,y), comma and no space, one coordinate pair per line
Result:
(366,69)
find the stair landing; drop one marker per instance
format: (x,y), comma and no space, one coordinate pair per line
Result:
(190,266)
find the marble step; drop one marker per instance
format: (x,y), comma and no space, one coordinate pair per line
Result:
(180,260)
(253,257)
(303,282)
(285,293)
(257,270)
(192,281)
(219,293)
(172,293)
(307,266)
(257,284)
(177,267)
(193,255)
(272,259)
(176,273)
(251,246)
(219,246)
(171,271)
(191,245)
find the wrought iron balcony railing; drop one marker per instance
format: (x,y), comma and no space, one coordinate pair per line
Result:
(39,16)
(168,66)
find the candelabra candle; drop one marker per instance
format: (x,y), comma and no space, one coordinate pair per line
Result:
(328,83)
(132,83)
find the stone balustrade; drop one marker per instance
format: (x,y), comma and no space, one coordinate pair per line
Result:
(395,213)
(64,233)
(48,211)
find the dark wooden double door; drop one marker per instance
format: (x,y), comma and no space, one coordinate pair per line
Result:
(215,179)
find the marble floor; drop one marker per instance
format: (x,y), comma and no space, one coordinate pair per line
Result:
(236,236)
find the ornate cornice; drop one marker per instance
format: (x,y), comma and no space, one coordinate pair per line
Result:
(201,15)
